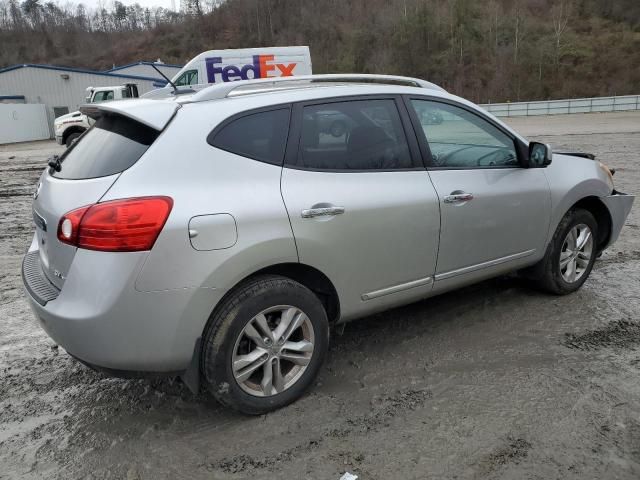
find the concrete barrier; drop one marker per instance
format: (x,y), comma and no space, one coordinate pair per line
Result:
(558,107)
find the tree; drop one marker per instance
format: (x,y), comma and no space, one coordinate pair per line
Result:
(560,14)
(495,50)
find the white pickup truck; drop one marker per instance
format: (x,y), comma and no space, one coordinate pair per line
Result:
(70,126)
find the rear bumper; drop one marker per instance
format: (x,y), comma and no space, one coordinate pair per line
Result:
(99,317)
(619,205)
(35,282)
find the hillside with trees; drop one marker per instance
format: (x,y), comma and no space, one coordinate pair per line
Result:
(487,51)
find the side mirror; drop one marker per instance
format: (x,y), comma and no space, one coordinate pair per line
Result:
(540,155)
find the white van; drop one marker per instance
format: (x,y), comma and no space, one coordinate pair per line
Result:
(215,66)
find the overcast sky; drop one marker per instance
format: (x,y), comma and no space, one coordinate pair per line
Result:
(144,3)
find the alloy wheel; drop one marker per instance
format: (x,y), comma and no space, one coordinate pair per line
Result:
(273,351)
(576,253)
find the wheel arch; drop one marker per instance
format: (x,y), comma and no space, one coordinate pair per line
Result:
(70,130)
(310,277)
(594,205)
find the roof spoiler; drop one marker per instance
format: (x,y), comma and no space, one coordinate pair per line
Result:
(151,113)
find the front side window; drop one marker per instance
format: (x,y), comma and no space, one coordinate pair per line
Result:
(190,77)
(458,138)
(261,136)
(353,135)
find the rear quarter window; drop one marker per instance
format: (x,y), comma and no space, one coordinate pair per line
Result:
(111,146)
(260,136)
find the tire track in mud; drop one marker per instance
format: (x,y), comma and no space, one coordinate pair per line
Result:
(513,451)
(621,334)
(52,407)
(383,410)
(620,257)
(59,419)
(18,178)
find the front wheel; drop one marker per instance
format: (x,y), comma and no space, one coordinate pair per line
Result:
(72,138)
(264,345)
(570,255)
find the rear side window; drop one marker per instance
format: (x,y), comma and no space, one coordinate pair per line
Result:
(354,135)
(111,146)
(260,136)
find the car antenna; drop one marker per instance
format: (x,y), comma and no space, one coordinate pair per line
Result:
(175,89)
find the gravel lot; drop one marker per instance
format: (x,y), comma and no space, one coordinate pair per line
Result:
(494,381)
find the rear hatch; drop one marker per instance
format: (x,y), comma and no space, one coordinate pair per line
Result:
(86,172)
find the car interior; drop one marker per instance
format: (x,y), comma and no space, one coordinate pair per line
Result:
(370,137)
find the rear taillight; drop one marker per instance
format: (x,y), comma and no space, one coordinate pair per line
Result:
(128,225)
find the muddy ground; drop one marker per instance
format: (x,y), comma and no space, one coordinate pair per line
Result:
(494,381)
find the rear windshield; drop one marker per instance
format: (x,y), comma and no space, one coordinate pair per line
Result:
(111,146)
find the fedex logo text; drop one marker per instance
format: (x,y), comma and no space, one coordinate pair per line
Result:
(260,68)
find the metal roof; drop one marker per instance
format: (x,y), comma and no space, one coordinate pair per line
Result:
(144,63)
(80,70)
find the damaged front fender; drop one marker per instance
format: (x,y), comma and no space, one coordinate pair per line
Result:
(619,205)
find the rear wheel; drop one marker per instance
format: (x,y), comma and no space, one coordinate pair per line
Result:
(265,345)
(570,255)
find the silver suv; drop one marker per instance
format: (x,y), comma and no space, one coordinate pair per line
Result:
(220,235)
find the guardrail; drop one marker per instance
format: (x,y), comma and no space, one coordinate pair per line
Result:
(557,107)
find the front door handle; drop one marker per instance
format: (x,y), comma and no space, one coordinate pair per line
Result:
(328,211)
(458,197)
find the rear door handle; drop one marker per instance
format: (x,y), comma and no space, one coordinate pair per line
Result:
(322,212)
(458,197)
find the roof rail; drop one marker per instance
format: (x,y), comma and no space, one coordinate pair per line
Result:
(224,90)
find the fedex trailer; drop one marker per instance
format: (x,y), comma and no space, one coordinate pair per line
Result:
(215,66)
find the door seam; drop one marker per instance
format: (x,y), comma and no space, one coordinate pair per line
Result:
(286,209)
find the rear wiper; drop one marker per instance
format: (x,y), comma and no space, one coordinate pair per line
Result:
(54,163)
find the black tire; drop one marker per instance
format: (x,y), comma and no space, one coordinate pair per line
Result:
(547,274)
(72,138)
(227,323)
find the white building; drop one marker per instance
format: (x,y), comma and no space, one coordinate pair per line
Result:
(63,90)
(144,69)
